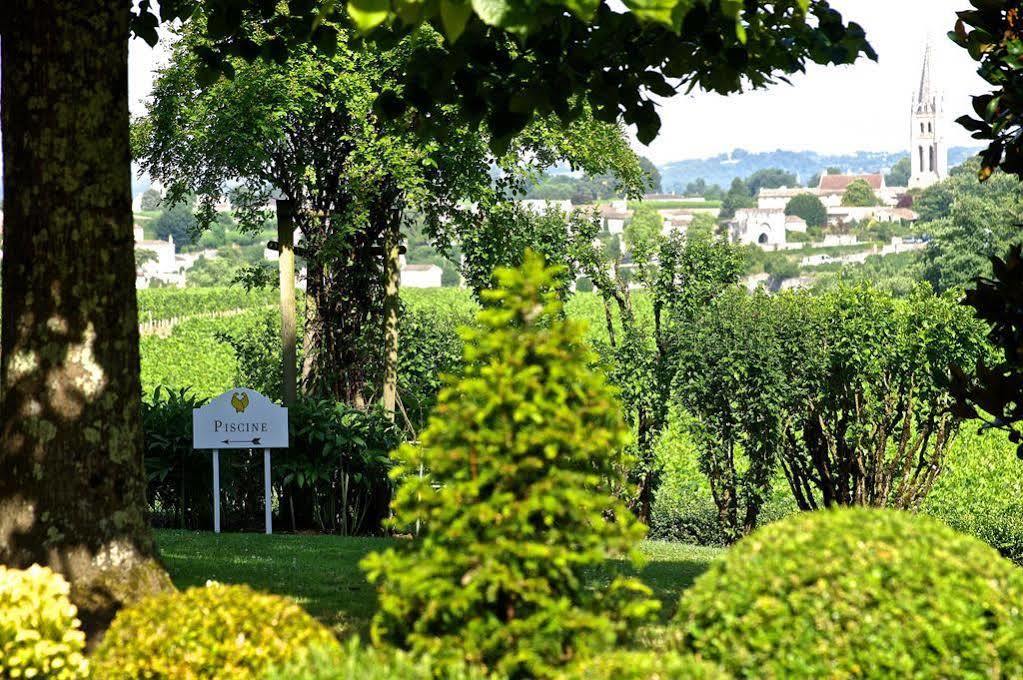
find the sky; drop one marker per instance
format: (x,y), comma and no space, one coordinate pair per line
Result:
(863,107)
(835,109)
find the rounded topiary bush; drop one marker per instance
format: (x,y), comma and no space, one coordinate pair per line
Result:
(223,632)
(630,665)
(40,636)
(858,593)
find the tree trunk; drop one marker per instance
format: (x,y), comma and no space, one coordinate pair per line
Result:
(72,486)
(286,266)
(392,282)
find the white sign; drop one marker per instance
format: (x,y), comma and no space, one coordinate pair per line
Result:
(240,419)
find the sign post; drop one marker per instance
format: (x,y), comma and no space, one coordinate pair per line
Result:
(240,419)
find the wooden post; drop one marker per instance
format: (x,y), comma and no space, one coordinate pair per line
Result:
(286,264)
(266,491)
(392,282)
(216,491)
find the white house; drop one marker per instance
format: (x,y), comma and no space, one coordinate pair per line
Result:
(539,206)
(760,227)
(163,265)
(421,276)
(613,216)
(795,223)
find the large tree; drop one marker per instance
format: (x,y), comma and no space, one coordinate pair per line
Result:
(352,177)
(992,33)
(71,478)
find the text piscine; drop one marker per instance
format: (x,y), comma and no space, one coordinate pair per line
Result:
(221,426)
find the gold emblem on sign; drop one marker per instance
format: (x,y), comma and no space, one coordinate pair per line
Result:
(240,401)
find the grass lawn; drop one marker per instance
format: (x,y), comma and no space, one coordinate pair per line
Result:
(322,572)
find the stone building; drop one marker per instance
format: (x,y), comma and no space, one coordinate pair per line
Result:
(928,159)
(760,227)
(928,152)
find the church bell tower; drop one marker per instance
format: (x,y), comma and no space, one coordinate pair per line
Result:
(928,153)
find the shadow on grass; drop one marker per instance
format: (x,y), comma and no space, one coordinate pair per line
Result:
(322,572)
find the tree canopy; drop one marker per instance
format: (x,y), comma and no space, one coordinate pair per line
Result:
(970,222)
(810,208)
(859,194)
(992,33)
(617,60)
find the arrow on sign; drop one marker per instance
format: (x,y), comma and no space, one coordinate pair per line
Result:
(254,441)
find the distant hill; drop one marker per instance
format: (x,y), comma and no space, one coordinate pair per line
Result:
(722,169)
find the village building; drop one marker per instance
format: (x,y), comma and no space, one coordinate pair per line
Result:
(539,206)
(759,227)
(795,223)
(929,162)
(928,151)
(421,276)
(165,264)
(613,216)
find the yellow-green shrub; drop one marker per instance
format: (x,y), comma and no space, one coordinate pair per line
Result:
(628,665)
(222,632)
(39,631)
(521,455)
(358,662)
(858,593)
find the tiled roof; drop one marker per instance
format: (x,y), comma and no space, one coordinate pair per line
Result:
(839,183)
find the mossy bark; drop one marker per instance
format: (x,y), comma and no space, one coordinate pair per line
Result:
(72,485)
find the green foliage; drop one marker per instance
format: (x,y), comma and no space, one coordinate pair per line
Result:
(39,632)
(175,472)
(857,593)
(389,173)
(585,189)
(845,392)
(194,356)
(168,303)
(177,221)
(151,200)
(810,208)
(979,222)
(653,175)
(994,387)
(222,632)
(643,232)
(519,458)
(900,173)
(684,510)
(981,492)
(751,47)
(258,355)
(506,233)
(624,665)
(738,197)
(429,346)
(357,662)
(733,377)
(683,275)
(859,194)
(770,178)
(339,456)
(992,34)
(935,202)
(701,188)
(781,269)
(243,267)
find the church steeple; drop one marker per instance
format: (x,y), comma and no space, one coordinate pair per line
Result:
(928,155)
(925,98)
